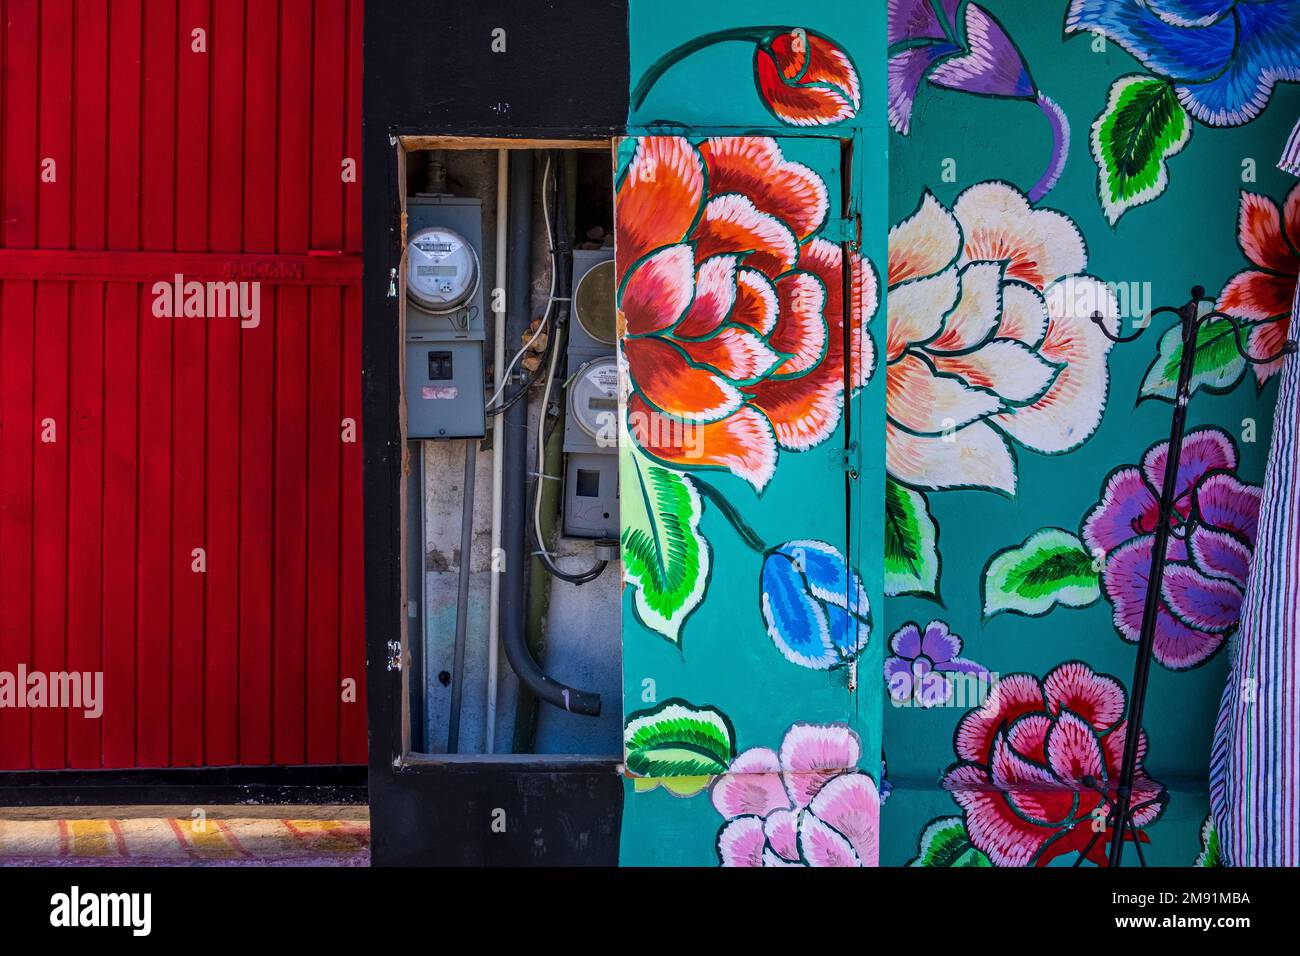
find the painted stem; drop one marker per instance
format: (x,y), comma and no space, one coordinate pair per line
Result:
(675,56)
(747,534)
(1060,147)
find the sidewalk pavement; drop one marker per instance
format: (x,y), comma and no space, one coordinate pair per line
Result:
(185,836)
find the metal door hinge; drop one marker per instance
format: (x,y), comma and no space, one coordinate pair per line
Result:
(392,283)
(394,655)
(845,231)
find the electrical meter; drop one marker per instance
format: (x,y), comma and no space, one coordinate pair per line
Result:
(442,270)
(593,302)
(593,401)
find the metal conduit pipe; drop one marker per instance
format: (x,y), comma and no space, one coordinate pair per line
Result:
(462,595)
(514,449)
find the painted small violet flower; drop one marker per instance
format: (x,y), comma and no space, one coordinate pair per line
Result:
(808,805)
(919,672)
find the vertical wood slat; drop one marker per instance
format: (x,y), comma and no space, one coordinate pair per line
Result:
(86,375)
(257,398)
(221,625)
(189,411)
(50,467)
(154,528)
(121,384)
(19,121)
(352,655)
(289,673)
(326,341)
(171,435)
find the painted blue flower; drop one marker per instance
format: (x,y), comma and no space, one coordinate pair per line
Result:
(815,608)
(1223,56)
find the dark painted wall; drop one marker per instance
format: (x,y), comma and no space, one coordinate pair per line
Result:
(429,68)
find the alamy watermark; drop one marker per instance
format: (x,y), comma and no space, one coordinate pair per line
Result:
(191,299)
(55,690)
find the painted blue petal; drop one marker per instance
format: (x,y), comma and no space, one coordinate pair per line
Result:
(1268,51)
(1191,13)
(822,566)
(795,622)
(1173,52)
(849,632)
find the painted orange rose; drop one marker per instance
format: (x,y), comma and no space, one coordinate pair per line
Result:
(730,305)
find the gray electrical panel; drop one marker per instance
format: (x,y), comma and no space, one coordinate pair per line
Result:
(591,425)
(445,327)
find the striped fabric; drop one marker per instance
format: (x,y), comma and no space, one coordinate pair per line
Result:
(1290,162)
(1255,761)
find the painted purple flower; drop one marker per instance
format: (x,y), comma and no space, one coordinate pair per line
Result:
(1209,552)
(920,668)
(809,805)
(980,58)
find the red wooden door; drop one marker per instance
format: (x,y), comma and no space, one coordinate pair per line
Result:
(180,503)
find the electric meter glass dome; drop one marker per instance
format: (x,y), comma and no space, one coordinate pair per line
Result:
(594,302)
(593,399)
(441,270)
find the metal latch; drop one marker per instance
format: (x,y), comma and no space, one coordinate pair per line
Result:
(394,655)
(844,230)
(392,283)
(850,460)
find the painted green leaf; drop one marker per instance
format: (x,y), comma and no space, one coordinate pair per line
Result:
(1218,367)
(678,745)
(1142,126)
(665,559)
(944,842)
(911,539)
(1210,852)
(1053,567)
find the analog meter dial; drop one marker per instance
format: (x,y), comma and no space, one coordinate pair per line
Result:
(593,399)
(442,270)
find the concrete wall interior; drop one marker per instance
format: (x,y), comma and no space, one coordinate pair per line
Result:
(582,625)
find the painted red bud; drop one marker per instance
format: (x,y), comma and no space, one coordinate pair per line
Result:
(806,80)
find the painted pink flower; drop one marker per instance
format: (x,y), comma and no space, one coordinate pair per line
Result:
(1022,759)
(1263,295)
(991,340)
(1209,553)
(808,805)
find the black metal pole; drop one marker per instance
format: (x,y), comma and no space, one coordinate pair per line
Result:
(1160,547)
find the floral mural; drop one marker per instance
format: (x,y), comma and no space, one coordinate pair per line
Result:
(731,316)
(1261,295)
(971,52)
(745,297)
(1027,761)
(805,805)
(803,77)
(1209,553)
(1053,566)
(731,312)
(1217,62)
(923,666)
(991,345)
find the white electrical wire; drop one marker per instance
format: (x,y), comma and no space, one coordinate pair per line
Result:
(550,372)
(505,378)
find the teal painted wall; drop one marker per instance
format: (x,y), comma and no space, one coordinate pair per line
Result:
(1186,236)
(727,710)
